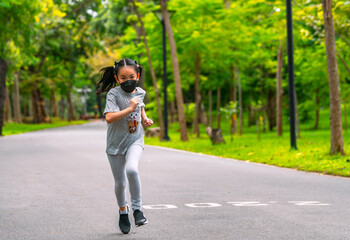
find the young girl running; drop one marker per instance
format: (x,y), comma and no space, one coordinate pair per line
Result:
(125,135)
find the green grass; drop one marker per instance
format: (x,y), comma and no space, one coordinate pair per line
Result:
(312,154)
(17,128)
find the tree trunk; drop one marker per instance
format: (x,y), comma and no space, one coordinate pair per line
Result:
(35,108)
(71,116)
(234,120)
(233,95)
(210,109)
(279,92)
(262,100)
(16,100)
(239,100)
(227,4)
(62,105)
(233,98)
(337,142)
(54,104)
(317,112)
(218,104)
(30,107)
(25,107)
(3,70)
(250,114)
(176,70)
(173,112)
(264,119)
(8,108)
(257,125)
(203,114)
(139,32)
(345,119)
(271,108)
(39,114)
(153,75)
(73,67)
(38,109)
(197,97)
(297,113)
(99,104)
(230,90)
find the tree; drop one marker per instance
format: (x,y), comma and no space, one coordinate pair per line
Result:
(193,22)
(337,143)
(45,44)
(279,91)
(240,101)
(3,70)
(218,107)
(17,18)
(8,108)
(153,75)
(197,96)
(176,69)
(16,99)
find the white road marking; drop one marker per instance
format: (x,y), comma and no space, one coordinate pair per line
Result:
(159,206)
(202,205)
(247,204)
(237,204)
(308,203)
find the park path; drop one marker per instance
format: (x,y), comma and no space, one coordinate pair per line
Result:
(57,184)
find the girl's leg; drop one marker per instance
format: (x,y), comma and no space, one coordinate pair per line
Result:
(133,156)
(117,163)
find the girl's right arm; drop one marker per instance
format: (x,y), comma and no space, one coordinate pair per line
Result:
(115,116)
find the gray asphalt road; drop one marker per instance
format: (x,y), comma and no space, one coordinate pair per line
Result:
(57,184)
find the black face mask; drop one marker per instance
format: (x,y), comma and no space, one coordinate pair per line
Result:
(128,86)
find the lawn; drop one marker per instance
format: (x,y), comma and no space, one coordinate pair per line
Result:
(17,128)
(312,154)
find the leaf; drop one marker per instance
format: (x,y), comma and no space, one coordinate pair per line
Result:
(5,4)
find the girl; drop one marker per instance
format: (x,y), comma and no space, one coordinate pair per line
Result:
(125,135)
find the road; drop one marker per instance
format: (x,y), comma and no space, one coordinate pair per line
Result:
(57,184)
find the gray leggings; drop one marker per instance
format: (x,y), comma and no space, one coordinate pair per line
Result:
(127,165)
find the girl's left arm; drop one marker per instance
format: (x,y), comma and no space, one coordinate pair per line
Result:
(146,121)
(143,113)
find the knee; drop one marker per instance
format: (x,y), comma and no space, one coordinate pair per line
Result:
(120,185)
(132,172)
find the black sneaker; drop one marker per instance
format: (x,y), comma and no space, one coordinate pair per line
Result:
(124,223)
(139,218)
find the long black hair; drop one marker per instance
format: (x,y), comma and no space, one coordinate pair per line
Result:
(108,81)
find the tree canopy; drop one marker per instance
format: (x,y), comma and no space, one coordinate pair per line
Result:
(60,45)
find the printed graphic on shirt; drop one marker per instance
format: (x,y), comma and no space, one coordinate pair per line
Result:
(133,120)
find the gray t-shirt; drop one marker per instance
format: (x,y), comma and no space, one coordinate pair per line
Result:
(123,133)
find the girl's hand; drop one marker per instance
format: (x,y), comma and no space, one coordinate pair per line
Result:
(147,122)
(134,102)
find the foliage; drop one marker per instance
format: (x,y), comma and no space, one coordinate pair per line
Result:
(229,109)
(74,39)
(16,19)
(189,112)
